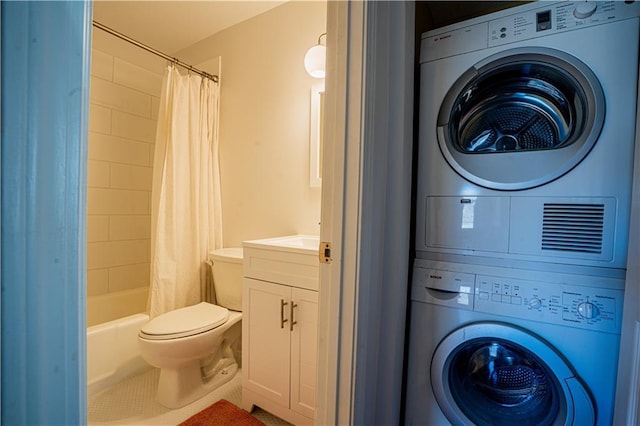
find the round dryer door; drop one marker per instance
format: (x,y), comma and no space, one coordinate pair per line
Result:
(521,118)
(497,374)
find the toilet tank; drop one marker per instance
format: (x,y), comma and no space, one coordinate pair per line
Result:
(227,277)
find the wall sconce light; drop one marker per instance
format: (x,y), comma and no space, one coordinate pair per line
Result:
(314,60)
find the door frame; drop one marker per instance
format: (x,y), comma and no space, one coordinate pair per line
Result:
(46,52)
(366,210)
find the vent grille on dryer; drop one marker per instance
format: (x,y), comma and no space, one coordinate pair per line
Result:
(573,227)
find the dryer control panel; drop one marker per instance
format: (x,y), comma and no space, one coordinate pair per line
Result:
(521,23)
(555,18)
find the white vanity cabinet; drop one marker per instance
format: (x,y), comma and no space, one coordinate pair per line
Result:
(279,330)
(280,361)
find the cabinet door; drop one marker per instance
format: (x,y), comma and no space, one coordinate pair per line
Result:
(265,342)
(304,349)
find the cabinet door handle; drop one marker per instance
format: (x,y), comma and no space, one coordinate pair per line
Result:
(292,323)
(282,318)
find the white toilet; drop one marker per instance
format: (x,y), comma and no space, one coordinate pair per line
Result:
(196,347)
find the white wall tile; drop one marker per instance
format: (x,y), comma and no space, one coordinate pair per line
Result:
(117,253)
(133,127)
(130,177)
(97,282)
(155,107)
(119,150)
(97,228)
(128,277)
(101,64)
(117,201)
(112,45)
(120,98)
(99,119)
(125,90)
(135,77)
(98,174)
(129,227)
(152,153)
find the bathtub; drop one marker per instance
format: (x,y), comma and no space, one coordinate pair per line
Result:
(112,352)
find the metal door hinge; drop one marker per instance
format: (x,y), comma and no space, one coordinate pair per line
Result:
(325,252)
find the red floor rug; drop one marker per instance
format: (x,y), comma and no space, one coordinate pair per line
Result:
(222,413)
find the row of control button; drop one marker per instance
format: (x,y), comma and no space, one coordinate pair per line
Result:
(501,298)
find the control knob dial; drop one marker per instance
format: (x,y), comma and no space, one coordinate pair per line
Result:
(584,9)
(588,310)
(535,303)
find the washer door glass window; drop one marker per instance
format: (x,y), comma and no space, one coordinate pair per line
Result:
(496,382)
(490,373)
(521,119)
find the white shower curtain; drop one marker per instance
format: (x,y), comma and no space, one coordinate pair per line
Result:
(186,219)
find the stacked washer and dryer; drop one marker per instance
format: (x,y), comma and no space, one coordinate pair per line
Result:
(527,134)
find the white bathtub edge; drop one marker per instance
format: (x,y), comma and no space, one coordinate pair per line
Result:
(112,352)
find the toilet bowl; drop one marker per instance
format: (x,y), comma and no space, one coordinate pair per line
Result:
(195,346)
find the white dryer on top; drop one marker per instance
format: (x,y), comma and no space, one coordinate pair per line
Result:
(527,133)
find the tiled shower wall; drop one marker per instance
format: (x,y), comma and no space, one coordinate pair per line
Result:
(123,118)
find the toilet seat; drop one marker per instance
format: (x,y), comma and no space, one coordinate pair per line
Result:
(185,322)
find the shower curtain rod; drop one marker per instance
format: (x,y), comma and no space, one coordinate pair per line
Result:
(154,51)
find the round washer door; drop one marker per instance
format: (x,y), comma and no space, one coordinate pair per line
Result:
(497,374)
(521,118)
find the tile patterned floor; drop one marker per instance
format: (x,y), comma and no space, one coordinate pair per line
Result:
(132,402)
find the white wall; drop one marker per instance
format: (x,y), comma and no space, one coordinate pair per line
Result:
(264,121)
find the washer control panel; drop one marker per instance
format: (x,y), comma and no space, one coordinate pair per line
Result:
(585,307)
(573,300)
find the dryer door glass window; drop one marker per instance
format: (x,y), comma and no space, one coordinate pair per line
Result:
(496,382)
(518,107)
(521,119)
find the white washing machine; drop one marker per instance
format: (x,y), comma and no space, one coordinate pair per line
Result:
(527,126)
(490,348)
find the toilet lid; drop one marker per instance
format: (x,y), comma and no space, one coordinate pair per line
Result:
(185,322)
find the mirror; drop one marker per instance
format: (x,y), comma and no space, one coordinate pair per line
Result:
(316,136)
